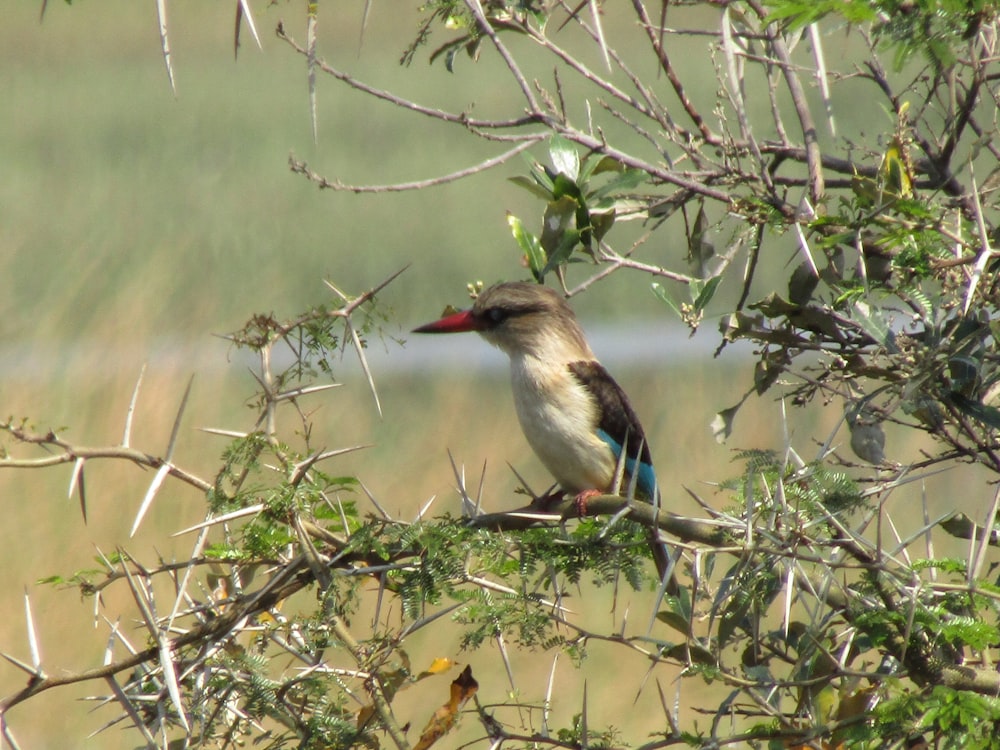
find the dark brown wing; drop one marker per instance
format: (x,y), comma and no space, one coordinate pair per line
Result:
(618,421)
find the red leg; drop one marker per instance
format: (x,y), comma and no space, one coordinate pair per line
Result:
(582,498)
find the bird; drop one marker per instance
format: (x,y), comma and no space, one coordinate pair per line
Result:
(574,415)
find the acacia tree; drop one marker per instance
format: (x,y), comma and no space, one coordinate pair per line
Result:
(819,628)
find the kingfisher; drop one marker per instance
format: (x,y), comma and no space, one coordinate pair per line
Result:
(574,415)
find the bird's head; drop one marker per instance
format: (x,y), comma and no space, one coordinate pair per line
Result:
(519,318)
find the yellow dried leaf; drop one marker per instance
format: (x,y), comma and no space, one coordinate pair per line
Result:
(439,665)
(462,688)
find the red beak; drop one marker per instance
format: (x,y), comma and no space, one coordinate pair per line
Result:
(455,323)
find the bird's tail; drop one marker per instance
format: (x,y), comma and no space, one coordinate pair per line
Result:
(666,562)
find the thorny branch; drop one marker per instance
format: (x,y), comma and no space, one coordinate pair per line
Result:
(227,615)
(726,534)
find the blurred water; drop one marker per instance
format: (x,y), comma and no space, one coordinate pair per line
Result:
(618,346)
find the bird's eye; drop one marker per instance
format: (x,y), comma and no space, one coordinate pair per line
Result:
(496,315)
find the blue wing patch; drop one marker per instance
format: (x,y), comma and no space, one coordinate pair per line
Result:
(645,481)
(618,424)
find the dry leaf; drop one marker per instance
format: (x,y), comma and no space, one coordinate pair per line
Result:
(439,665)
(399,679)
(463,688)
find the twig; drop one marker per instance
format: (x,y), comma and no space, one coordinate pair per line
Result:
(71,453)
(403,103)
(801,105)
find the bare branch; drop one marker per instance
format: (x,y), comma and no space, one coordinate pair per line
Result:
(405,104)
(813,156)
(300,167)
(476,8)
(70,453)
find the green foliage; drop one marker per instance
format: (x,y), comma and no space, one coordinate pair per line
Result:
(488,616)
(967,720)
(327,724)
(811,489)
(932,28)
(935,626)
(454,15)
(577,213)
(606,553)
(701,293)
(262,540)
(578,735)
(954,719)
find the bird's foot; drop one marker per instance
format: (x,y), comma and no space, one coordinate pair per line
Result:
(581,500)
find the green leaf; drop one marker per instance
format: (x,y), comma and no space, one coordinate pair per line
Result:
(540,175)
(557,220)
(988,415)
(529,245)
(660,292)
(873,322)
(449,58)
(627,180)
(963,371)
(591,166)
(894,173)
(769,368)
(802,284)
(561,253)
(601,222)
(563,186)
(544,179)
(706,292)
(608,164)
(565,159)
(532,186)
(797,14)
(678,616)
(775,306)
(583,222)
(733,616)
(970,631)
(739,325)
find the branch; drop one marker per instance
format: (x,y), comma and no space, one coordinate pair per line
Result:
(655,171)
(70,453)
(402,103)
(724,537)
(651,108)
(661,52)
(486,27)
(798,95)
(291,579)
(300,167)
(379,700)
(551,513)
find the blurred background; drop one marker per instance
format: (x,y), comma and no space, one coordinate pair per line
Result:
(136,226)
